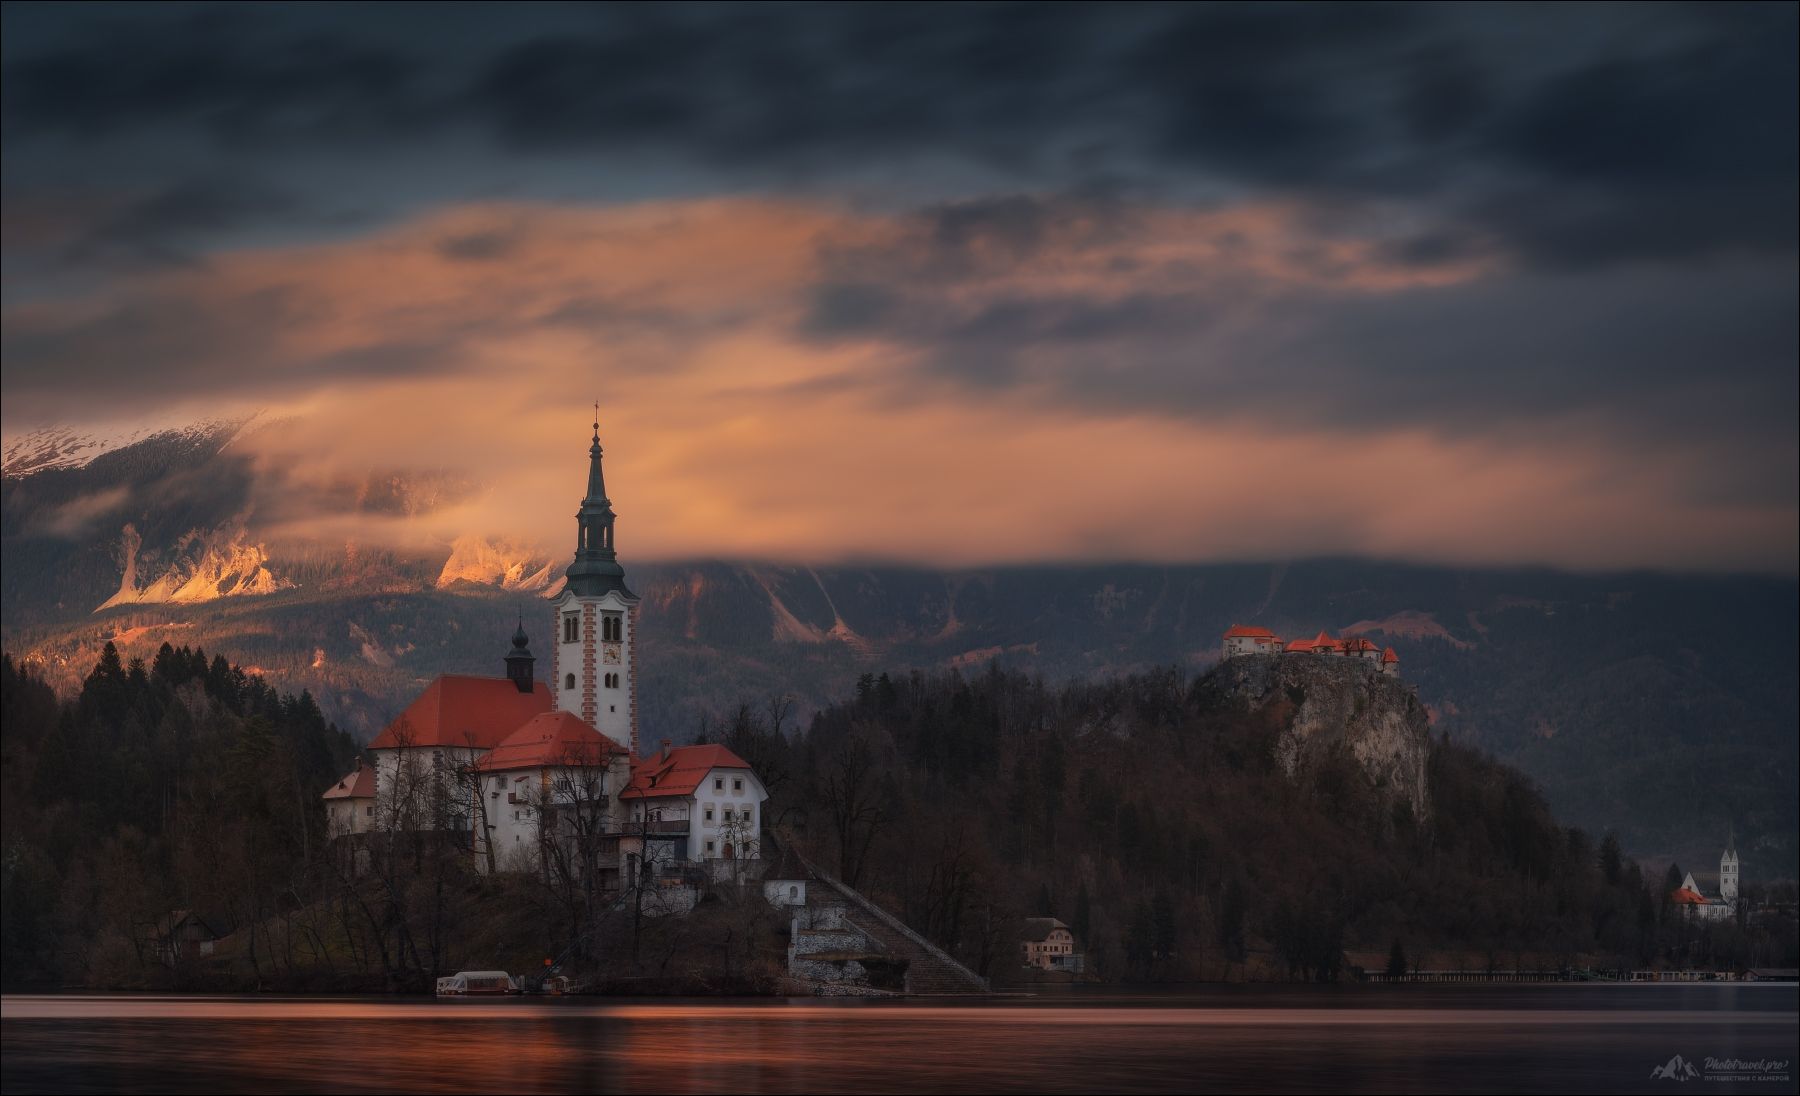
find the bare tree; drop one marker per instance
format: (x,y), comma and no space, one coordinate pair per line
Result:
(465,770)
(850,792)
(578,841)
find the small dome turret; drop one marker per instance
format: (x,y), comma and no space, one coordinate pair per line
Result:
(520,661)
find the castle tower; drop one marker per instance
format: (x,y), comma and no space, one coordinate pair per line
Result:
(594,667)
(1728,870)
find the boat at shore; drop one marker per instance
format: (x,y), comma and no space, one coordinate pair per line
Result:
(477,983)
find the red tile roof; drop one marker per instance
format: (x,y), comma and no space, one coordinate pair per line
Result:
(460,710)
(1358,643)
(1323,639)
(678,771)
(1388,655)
(1684,897)
(553,739)
(1248,631)
(358,785)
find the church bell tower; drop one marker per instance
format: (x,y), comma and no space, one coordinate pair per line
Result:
(1728,870)
(594,659)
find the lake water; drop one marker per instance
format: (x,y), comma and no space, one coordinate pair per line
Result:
(1562,1038)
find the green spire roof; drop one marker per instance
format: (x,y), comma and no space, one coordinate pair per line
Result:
(596,567)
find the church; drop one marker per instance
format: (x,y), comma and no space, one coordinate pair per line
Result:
(1718,906)
(539,775)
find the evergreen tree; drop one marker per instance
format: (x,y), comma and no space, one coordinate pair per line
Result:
(1612,858)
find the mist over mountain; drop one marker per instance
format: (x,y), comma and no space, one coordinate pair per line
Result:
(1662,706)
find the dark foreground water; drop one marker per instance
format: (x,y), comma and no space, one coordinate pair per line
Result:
(1574,1038)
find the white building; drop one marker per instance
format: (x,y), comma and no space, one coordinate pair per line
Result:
(699,804)
(350,803)
(1050,945)
(553,776)
(424,761)
(1720,906)
(1245,639)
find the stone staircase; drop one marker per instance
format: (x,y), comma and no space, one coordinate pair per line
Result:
(929,970)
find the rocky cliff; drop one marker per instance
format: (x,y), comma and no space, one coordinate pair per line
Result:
(1321,703)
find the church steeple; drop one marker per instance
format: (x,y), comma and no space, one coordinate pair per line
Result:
(596,567)
(593,671)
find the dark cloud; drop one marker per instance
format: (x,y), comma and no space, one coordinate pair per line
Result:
(478,246)
(1696,356)
(222,71)
(1669,130)
(169,344)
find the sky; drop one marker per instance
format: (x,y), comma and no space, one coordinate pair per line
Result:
(941,284)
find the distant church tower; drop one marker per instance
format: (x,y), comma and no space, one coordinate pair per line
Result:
(1728,870)
(594,662)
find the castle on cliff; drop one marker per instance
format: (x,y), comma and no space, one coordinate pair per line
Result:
(1243,639)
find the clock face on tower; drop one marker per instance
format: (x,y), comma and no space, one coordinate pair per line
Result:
(611,654)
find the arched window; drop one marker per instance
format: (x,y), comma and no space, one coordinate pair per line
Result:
(794,893)
(569,681)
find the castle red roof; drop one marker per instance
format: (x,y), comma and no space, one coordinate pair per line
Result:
(1358,643)
(1685,897)
(1247,631)
(461,710)
(358,785)
(1388,655)
(679,771)
(1323,639)
(550,740)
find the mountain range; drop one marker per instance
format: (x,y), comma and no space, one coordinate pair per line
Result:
(1660,706)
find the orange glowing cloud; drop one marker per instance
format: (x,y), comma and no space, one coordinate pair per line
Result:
(474,340)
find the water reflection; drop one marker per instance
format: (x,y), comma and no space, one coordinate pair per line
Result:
(1482,1039)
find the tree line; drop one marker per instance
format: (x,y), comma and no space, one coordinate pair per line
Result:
(1150,814)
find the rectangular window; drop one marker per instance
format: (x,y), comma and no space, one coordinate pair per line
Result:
(727,814)
(709,848)
(737,786)
(719,784)
(571,628)
(709,814)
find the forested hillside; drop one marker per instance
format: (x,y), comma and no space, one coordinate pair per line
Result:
(1153,814)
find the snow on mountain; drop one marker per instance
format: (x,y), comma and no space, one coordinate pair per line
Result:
(63,446)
